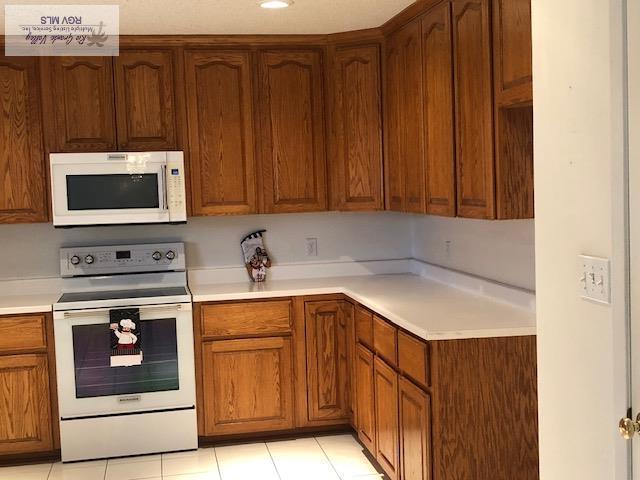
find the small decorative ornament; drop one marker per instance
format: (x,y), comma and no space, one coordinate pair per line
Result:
(126,344)
(256,258)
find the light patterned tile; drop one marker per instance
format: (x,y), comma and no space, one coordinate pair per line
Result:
(346,456)
(193,476)
(200,461)
(301,459)
(246,462)
(26,472)
(95,472)
(133,470)
(136,459)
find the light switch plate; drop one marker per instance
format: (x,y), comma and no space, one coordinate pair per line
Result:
(311,247)
(595,282)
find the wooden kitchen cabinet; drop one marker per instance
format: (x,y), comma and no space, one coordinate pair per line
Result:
(28,417)
(365,398)
(145,100)
(23,174)
(221,132)
(414,406)
(512,52)
(356,136)
(292,131)
(81,104)
(473,108)
(405,165)
(25,419)
(247,385)
(328,380)
(439,145)
(385,381)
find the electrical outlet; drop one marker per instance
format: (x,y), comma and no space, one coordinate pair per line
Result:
(594,279)
(311,247)
(447,248)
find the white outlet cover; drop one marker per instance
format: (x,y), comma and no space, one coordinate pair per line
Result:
(311,247)
(595,279)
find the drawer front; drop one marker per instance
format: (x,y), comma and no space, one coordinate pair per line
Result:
(385,340)
(246,319)
(22,332)
(364,326)
(413,358)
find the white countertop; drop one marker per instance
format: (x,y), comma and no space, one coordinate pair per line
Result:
(426,308)
(30,303)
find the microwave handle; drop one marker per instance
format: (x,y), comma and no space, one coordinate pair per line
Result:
(164,188)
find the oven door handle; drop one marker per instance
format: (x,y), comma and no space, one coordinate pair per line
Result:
(178,307)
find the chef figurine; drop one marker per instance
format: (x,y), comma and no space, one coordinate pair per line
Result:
(258,264)
(126,338)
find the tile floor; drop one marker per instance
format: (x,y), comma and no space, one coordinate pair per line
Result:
(336,457)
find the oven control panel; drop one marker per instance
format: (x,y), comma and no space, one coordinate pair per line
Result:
(118,259)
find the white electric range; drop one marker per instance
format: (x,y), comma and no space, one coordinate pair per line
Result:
(139,291)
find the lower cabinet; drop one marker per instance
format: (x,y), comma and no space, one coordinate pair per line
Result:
(365,420)
(414,406)
(28,407)
(247,385)
(385,381)
(25,419)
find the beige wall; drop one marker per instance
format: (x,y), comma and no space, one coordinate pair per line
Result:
(579,182)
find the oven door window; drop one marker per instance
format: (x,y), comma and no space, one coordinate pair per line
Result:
(96,378)
(112,191)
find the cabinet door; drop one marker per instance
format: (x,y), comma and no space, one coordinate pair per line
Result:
(145,100)
(25,418)
(512,51)
(82,104)
(327,361)
(293,163)
(247,385)
(474,108)
(221,138)
(437,77)
(23,178)
(365,400)
(386,395)
(415,431)
(411,111)
(356,180)
(394,159)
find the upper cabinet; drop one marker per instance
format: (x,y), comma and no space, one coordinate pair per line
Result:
(82,104)
(145,100)
(473,108)
(512,51)
(406,181)
(438,111)
(23,178)
(221,133)
(356,136)
(292,135)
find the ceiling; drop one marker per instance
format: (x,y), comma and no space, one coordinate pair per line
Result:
(144,17)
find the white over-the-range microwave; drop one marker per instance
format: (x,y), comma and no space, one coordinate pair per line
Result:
(117,188)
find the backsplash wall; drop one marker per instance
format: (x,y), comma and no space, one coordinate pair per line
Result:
(499,250)
(31,251)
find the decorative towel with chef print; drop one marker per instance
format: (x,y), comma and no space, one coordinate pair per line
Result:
(256,258)
(126,343)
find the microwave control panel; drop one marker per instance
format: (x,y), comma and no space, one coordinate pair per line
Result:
(114,259)
(176,201)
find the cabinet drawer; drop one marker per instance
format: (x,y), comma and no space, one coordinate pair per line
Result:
(413,358)
(385,340)
(22,332)
(246,319)
(364,326)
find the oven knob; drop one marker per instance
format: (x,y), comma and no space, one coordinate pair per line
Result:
(89,259)
(75,260)
(156,256)
(170,255)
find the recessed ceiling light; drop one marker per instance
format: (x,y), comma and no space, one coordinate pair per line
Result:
(275,3)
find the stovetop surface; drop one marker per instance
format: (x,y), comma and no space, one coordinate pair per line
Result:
(122,294)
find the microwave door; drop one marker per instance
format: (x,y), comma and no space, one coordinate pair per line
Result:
(100,194)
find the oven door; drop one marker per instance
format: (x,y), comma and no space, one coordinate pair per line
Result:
(101,188)
(87,383)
